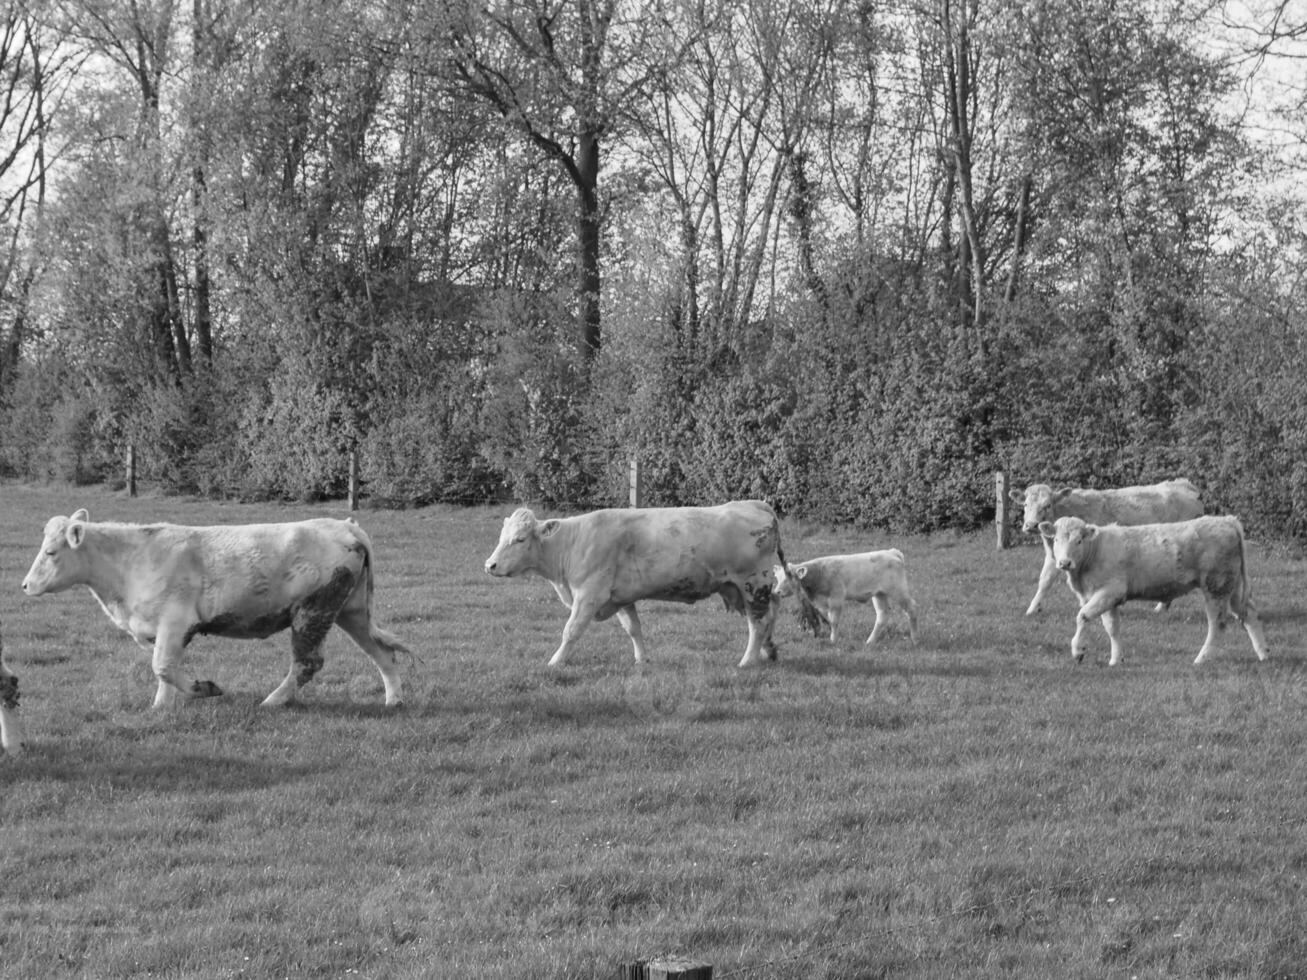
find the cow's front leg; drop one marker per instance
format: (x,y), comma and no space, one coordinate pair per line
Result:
(834,610)
(1093,608)
(172,679)
(881,605)
(1046,576)
(584,607)
(631,623)
(1110,621)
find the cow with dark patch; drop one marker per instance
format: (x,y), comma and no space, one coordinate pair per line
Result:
(166,583)
(1157,503)
(11,726)
(1109,565)
(824,585)
(600,564)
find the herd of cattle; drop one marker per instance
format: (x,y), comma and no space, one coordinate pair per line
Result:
(166,583)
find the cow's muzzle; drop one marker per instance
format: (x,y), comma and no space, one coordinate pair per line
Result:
(1066,564)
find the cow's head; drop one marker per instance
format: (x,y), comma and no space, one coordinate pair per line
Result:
(1071,537)
(1037,500)
(518,550)
(61,562)
(787,579)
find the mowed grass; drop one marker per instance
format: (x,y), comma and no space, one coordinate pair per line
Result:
(976,805)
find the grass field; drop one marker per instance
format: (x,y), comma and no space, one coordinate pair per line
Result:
(975,806)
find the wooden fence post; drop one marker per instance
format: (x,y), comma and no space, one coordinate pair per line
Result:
(1000,509)
(668,968)
(637,491)
(353,479)
(131,469)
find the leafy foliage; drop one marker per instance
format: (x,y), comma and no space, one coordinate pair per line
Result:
(288,235)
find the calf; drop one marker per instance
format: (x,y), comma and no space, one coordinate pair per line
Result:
(1158,503)
(1106,566)
(11,726)
(600,564)
(166,583)
(825,584)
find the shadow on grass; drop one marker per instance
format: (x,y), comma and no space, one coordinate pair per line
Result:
(857,664)
(156,769)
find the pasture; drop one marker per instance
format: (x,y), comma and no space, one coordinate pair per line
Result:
(975,806)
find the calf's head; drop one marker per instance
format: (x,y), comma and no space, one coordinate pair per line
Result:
(61,562)
(519,543)
(1071,539)
(1037,500)
(787,579)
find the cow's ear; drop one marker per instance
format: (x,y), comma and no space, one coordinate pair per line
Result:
(1046,528)
(549,527)
(75,534)
(801,571)
(1018,496)
(1089,532)
(1059,494)
(80,515)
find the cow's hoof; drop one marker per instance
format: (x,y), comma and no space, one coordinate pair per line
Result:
(205,689)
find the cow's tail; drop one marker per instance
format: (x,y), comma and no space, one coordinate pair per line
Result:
(383,638)
(1244,594)
(806,614)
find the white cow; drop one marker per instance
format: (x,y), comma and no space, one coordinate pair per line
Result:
(602,563)
(166,583)
(827,583)
(1158,503)
(1106,566)
(11,726)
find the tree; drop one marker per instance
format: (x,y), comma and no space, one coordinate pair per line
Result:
(35,72)
(558,73)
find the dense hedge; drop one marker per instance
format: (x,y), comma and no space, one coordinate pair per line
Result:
(839,421)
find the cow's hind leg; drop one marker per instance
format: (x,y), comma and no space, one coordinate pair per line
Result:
(1246,613)
(380,645)
(307,634)
(881,605)
(310,622)
(1215,608)
(631,623)
(909,607)
(1252,625)
(760,607)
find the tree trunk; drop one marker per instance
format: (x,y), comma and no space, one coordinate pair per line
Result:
(589,283)
(1018,238)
